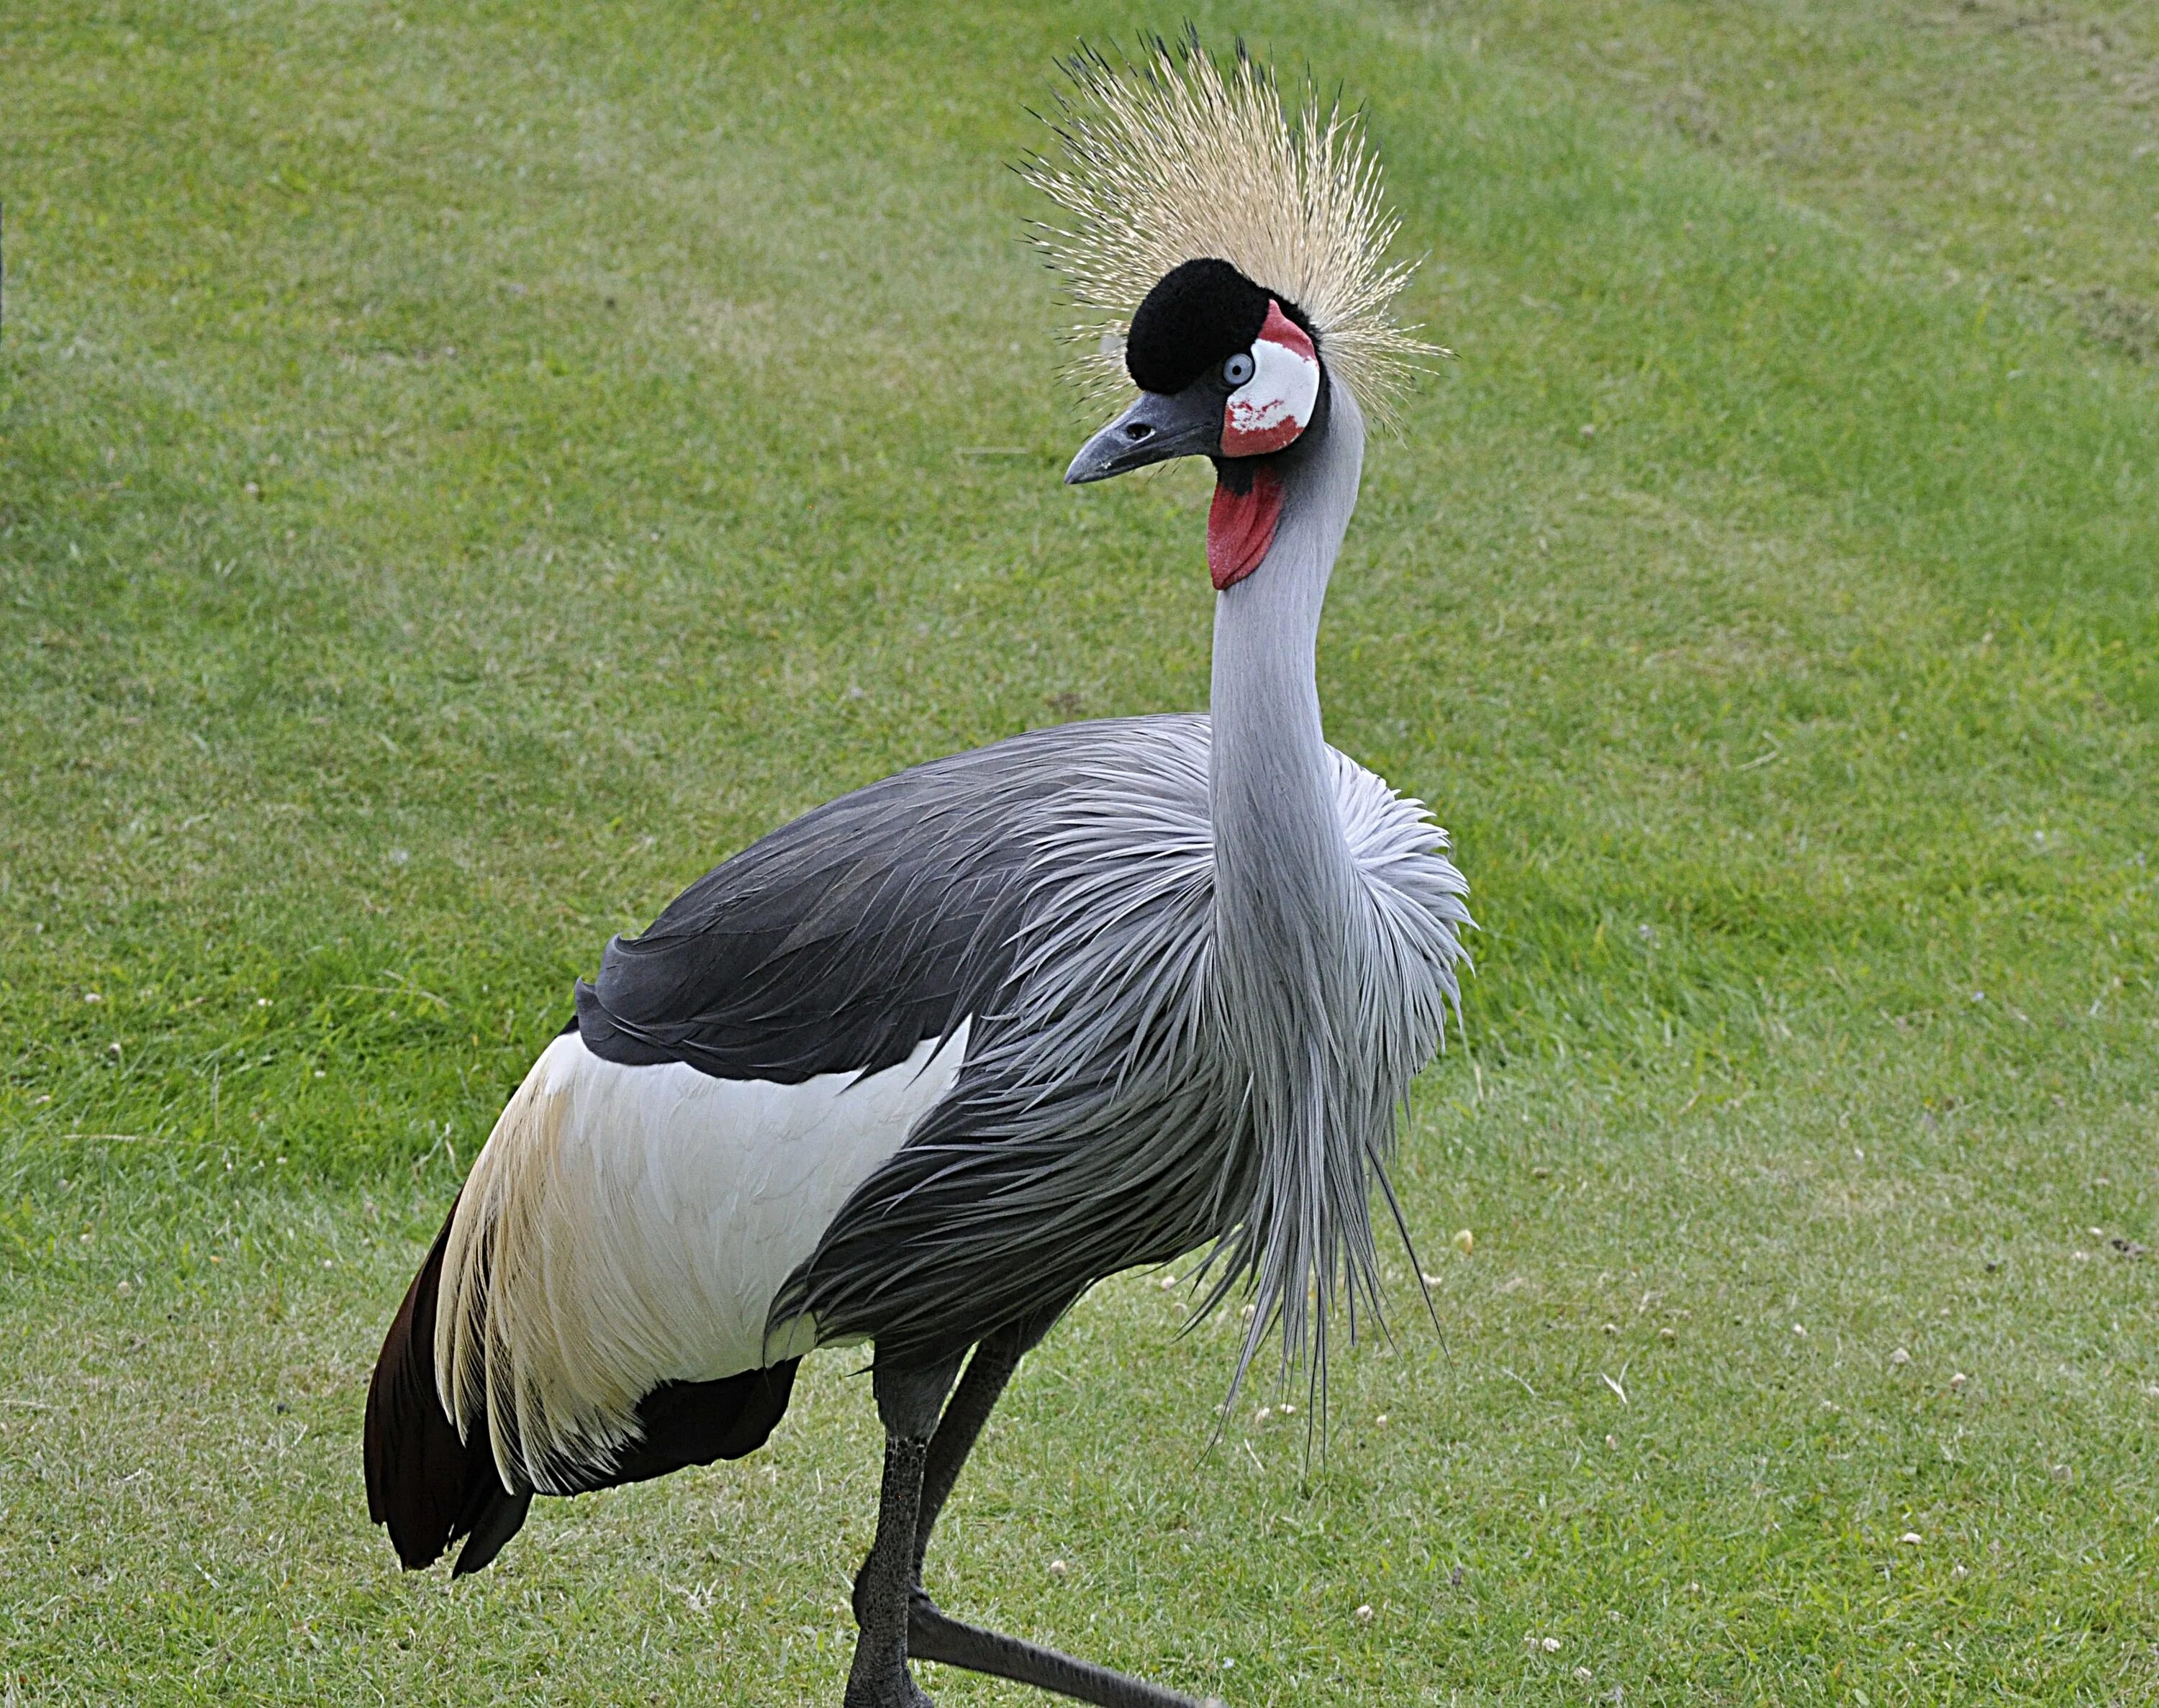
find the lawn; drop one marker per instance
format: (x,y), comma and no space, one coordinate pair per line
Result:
(465,468)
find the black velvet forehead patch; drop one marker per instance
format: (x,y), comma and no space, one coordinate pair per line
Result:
(1198,314)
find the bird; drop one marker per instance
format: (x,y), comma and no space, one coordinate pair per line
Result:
(919,1068)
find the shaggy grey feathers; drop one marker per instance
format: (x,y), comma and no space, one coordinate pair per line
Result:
(1115,1108)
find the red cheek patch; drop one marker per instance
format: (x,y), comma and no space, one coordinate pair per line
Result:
(1241,526)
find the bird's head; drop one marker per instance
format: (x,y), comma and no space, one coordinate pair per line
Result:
(1226,371)
(1237,252)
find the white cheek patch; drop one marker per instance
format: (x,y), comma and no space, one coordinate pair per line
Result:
(1272,407)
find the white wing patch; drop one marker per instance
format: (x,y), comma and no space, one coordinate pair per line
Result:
(627,1226)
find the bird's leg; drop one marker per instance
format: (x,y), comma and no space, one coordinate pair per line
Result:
(932,1634)
(968,1410)
(907,1399)
(988,1370)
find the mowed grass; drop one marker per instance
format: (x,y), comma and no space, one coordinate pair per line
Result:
(465,470)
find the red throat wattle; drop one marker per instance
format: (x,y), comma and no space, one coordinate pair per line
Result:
(1241,526)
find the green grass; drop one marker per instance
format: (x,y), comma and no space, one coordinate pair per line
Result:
(464,469)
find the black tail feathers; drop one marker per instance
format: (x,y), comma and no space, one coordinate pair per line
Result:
(429,1487)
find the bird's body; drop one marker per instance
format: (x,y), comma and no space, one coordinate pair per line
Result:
(959,1034)
(922,1066)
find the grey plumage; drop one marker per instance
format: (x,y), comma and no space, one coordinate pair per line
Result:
(1118,1106)
(840,941)
(1235,950)
(1202,958)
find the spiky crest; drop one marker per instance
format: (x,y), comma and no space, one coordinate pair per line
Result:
(1174,158)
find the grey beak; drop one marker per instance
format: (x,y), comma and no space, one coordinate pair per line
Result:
(1156,428)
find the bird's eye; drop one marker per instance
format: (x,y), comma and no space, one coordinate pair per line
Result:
(1238,369)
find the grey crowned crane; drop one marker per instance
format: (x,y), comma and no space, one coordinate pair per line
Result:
(923,1066)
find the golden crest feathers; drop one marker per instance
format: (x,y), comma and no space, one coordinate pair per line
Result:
(1177,158)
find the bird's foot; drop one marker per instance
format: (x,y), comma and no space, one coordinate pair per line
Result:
(933,1635)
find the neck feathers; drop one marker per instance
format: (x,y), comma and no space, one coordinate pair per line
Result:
(1291,921)
(1278,837)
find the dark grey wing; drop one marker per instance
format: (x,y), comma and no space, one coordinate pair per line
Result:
(840,941)
(1093,1125)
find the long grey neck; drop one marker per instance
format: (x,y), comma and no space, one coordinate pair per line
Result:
(1282,864)
(1286,973)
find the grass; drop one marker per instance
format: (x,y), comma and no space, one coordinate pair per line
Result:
(464,469)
